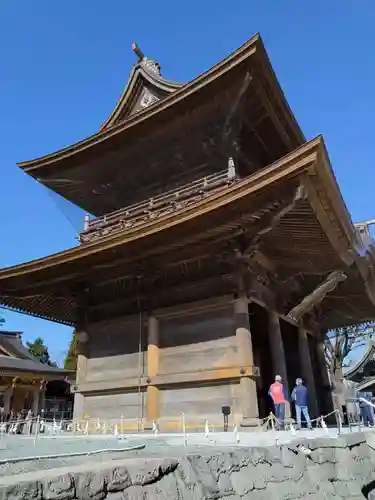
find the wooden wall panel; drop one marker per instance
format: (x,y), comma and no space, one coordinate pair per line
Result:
(200,356)
(200,403)
(198,342)
(111,407)
(114,350)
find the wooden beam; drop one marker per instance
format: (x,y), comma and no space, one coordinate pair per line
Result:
(171,293)
(315,297)
(210,375)
(275,119)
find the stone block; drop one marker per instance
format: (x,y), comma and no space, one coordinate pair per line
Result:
(341,489)
(165,489)
(188,483)
(117,495)
(273,454)
(203,474)
(354,488)
(225,484)
(117,479)
(242,481)
(59,488)
(261,475)
(150,471)
(90,486)
(319,473)
(324,455)
(22,491)
(134,493)
(326,488)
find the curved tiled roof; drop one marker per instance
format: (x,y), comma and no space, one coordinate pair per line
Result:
(19,359)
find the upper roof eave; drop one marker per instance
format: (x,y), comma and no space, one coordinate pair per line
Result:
(251,47)
(301,161)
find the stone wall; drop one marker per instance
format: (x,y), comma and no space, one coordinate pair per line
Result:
(340,468)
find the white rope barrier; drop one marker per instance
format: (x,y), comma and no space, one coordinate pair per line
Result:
(37,427)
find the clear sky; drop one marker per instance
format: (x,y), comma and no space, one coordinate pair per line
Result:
(65,63)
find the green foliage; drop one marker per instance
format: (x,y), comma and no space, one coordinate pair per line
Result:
(40,351)
(70,362)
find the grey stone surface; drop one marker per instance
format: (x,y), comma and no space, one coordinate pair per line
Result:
(341,468)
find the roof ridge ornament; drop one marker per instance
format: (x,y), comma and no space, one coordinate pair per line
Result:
(148,64)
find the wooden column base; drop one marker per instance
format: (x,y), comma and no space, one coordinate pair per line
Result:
(250,422)
(152,408)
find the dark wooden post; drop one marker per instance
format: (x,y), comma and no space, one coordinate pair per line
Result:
(278,353)
(307,370)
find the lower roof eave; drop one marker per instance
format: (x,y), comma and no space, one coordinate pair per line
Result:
(299,165)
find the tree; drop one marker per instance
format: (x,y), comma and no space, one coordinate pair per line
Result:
(342,342)
(70,362)
(339,345)
(40,351)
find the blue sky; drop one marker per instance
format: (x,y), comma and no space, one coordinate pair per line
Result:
(64,64)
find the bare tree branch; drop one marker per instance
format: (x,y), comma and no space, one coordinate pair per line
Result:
(341,342)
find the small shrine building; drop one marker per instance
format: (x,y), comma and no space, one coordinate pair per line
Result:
(23,379)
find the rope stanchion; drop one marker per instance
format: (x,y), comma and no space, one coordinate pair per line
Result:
(155,428)
(122,427)
(206,429)
(98,427)
(236,434)
(184,429)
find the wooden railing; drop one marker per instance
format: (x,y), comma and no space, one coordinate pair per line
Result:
(158,206)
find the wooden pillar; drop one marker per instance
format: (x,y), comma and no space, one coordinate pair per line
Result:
(152,409)
(277,348)
(8,399)
(278,353)
(307,371)
(83,349)
(327,392)
(249,398)
(35,402)
(83,341)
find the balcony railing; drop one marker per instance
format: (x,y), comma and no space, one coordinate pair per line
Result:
(158,206)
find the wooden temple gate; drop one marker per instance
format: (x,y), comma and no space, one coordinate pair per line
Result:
(218,253)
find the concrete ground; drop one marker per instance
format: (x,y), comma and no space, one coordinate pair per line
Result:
(70,448)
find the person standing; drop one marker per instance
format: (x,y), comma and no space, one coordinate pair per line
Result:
(300,398)
(365,409)
(279,397)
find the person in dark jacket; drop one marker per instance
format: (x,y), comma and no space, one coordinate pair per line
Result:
(365,409)
(300,398)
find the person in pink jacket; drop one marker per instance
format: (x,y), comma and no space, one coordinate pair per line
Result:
(279,397)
